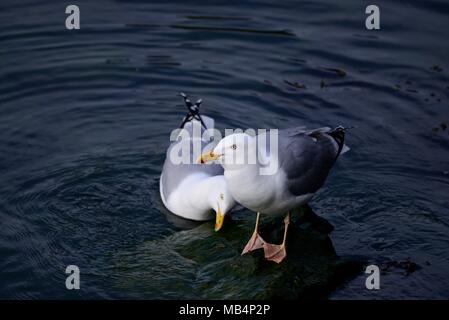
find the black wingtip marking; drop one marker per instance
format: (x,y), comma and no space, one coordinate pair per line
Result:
(338,134)
(193,111)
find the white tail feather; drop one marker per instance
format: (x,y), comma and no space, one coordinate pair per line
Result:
(344,149)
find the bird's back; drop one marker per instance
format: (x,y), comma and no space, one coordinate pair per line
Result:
(173,173)
(306,157)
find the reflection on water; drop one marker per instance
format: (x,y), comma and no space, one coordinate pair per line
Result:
(85,119)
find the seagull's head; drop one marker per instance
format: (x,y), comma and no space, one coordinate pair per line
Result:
(233,151)
(221,200)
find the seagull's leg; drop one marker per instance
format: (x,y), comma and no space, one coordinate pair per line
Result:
(277,252)
(256,241)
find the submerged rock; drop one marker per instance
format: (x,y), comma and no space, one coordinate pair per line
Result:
(203,264)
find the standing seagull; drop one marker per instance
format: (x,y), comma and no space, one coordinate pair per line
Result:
(190,190)
(304,161)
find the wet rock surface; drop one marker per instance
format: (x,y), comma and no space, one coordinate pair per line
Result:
(203,264)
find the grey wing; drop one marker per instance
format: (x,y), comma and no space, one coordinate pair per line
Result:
(290,132)
(306,157)
(173,174)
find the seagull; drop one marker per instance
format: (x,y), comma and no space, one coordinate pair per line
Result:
(190,190)
(304,160)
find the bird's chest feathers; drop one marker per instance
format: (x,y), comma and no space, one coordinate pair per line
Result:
(251,189)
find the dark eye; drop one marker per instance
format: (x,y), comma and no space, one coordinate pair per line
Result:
(234,146)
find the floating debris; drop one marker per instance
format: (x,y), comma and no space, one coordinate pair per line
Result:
(412,90)
(323,84)
(436,68)
(339,72)
(295,84)
(435,129)
(407,265)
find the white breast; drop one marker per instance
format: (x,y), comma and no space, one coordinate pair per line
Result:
(265,194)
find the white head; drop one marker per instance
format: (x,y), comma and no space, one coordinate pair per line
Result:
(220,199)
(233,151)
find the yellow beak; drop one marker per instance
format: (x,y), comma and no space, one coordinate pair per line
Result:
(218,220)
(207,156)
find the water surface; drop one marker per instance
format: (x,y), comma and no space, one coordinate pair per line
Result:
(85,117)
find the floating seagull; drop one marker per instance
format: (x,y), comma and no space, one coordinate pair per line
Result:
(190,190)
(304,161)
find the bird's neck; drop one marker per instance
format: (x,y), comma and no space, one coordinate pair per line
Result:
(245,175)
(201,195)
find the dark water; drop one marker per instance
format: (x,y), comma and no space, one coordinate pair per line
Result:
(85,117)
